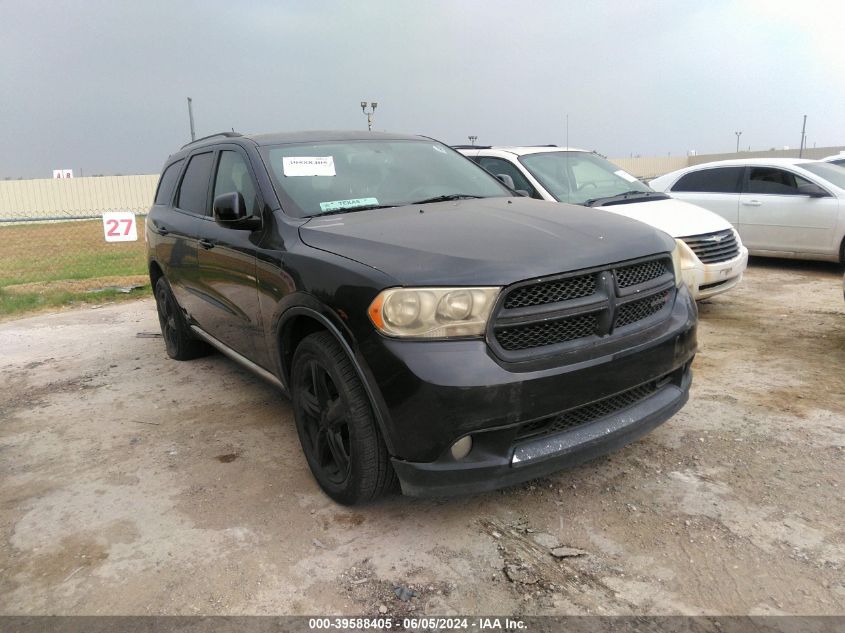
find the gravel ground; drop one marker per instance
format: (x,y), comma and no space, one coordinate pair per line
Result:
(133,484)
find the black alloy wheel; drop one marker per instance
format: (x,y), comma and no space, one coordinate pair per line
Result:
(325,423)
(335,423)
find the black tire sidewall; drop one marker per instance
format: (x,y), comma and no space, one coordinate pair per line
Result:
(323,349)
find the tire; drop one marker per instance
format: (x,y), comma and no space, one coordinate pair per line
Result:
(335,423)
(178,341)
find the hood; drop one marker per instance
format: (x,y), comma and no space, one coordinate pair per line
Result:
(675,217)
(490,241)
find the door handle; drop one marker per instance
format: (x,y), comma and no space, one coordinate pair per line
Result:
(206,244)
(161,230)
(752,203)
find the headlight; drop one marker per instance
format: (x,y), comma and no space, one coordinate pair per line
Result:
(677,264)
(433,312)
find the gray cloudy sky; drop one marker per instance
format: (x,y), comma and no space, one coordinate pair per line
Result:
(101,86)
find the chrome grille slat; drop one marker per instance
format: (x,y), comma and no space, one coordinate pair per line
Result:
(715,247)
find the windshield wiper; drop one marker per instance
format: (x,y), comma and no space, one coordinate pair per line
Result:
(447,197)
(626,195)
(365,207)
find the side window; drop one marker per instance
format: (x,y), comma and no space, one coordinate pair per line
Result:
(233,175)
(502,166)
(193,192)
(167,181)
(769,180)
(718,180)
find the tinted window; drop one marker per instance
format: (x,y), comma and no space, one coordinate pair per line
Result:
(193,192)
(501,166)
(719,180)
(167,182)
(769,180)
(233,175)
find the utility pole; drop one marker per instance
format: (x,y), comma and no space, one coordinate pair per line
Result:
(738,134)
(191,119)
(369,114)
(472,139)
(567,131)
(803,137)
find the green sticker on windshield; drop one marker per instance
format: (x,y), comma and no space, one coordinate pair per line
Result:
(334,205)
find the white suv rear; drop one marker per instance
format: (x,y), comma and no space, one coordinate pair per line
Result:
(713,255)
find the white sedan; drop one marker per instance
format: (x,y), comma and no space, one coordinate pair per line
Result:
(712,255)
(781,207)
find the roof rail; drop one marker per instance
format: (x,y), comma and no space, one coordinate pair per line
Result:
(205,138)
(471,146)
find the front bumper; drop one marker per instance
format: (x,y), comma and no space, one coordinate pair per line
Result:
(707,280)
(538,457)
(430,394)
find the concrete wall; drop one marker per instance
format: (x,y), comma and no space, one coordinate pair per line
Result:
(651,167)
(75,197)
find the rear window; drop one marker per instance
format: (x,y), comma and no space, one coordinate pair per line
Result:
(193,192)
(718,180)
(830,172)
(167,182)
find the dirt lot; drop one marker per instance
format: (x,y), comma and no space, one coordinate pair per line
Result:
(133,484)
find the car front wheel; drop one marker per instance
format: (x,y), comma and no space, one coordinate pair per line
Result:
(335,422)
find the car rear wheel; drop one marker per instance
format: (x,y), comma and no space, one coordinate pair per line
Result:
(178,341)
(335,422)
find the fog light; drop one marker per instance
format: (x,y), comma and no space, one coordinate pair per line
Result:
(462,447)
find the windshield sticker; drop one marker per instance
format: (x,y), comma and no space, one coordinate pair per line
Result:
(625,175)
(334,205)
(308,165)
(439,149)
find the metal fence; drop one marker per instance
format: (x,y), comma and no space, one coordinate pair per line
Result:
(53,230)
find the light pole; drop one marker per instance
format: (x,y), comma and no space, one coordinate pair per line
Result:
(472,139)
(738,134)
(373,105)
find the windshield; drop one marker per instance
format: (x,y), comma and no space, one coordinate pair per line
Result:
(576,177)
(832,173)
(339,176)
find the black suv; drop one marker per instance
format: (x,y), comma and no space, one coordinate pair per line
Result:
(427,323)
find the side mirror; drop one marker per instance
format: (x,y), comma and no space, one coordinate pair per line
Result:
(229,210)
(506,180)
(813,190)
(523,193)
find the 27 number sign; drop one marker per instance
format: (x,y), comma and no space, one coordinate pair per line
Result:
(120,226)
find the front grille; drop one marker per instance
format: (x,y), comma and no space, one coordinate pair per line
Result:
(711,248)
(640,273)
(564,311)
(640,309)
(590,412)
(548,333)
(551,292)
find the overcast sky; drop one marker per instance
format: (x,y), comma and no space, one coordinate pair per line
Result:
(101,86)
